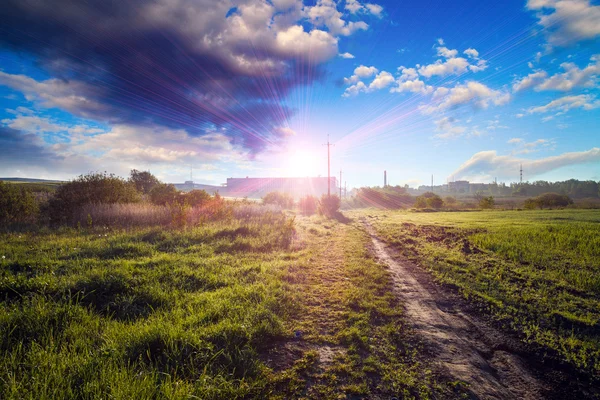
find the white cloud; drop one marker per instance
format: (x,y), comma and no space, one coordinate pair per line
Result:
(355,89)
(530,80)
(472,53)
(317,45)
(515,141)
(361,72)
(374,9)
(573,77)
(446,52)
(451,66)
(474,93)
(489,163)
(381,81)
(567,21)
(346,55)
(325,13)
(566,103)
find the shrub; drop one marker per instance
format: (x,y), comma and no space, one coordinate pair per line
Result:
(329,205)
(196,198)
(548,200)
(283,200)
(487,202)
(430,200)
(17,204)
(308,205)
(93,188)
(163,194)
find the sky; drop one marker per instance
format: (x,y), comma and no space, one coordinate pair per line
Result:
(221,88)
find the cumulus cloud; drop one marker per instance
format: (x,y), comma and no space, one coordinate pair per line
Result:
(475,93)
(381,81)
(361,72)
(567,21)
(490,164)
(355,6)
(325,13)
(374,9)
(584,101)
(470,52)
(515,140)
(573,78)
(181,64)
(346,55)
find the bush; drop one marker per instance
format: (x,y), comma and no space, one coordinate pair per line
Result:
(548,200)
(163,194)
(143,181)
(487,202)
(329,205)
(17,204)
(93,188)
(283,200)
(196,198)
(430,200)
(308,205)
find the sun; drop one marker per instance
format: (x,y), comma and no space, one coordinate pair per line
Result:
(300,163)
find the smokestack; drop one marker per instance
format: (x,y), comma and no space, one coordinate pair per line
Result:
(384,178)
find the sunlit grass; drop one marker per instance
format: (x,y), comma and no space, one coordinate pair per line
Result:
(538,272)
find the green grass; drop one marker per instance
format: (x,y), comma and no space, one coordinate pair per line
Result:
(537,272)
(206,312)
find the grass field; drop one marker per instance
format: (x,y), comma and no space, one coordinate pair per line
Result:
(536,272)
(263,307)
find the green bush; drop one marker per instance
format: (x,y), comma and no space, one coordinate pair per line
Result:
(164,193)
(93,188)
(548,200)
(196,198)
(283,200)
(430,200)
(308,205)
(17,204)
(329,205)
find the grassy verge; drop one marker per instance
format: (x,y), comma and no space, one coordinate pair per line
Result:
(537,272)
(262,306)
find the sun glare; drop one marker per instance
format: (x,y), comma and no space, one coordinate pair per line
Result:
(302,163)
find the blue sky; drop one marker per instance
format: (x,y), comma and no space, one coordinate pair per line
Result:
(460,90)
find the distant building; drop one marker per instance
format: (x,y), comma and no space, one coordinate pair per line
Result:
(296,187)
(459,187)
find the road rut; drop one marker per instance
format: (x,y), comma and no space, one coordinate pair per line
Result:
(462,348)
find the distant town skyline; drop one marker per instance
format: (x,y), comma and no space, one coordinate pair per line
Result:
(467,91)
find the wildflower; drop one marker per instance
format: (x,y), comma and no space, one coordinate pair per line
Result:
(3,257)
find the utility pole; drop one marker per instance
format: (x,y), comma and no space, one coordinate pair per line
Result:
(345,190)
(328,167)
(432,183)
(340,184)
(384,179)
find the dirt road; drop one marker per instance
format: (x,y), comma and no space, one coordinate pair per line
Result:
(462,347)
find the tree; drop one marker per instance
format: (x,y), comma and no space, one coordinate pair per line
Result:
(163,194)
(429,199)
(143,181)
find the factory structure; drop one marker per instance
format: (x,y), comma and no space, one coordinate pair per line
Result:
(258,187)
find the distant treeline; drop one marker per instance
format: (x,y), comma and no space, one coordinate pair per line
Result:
(572,188)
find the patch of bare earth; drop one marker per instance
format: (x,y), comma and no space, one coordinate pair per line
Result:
(462,347)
